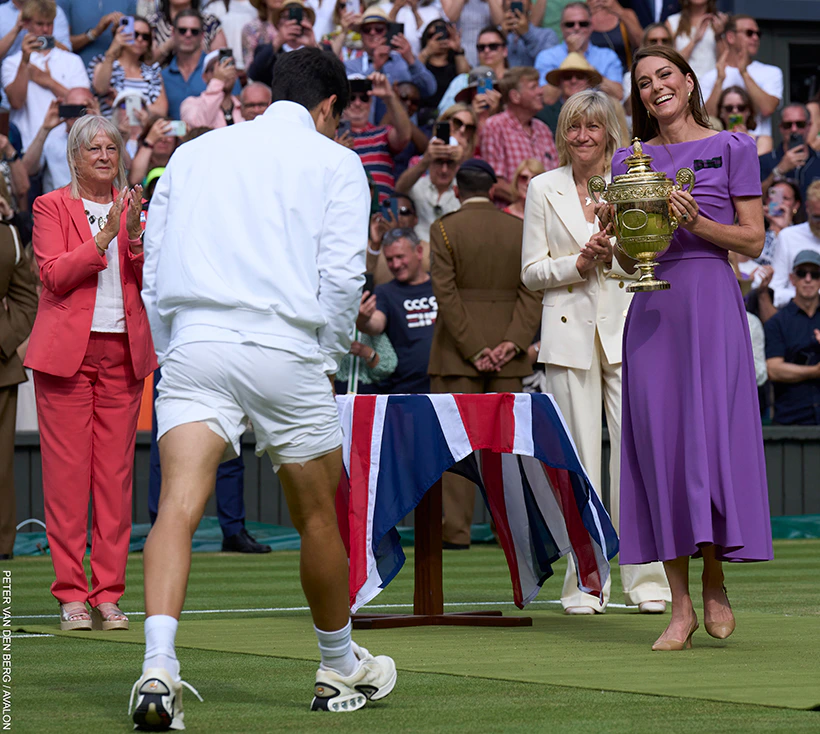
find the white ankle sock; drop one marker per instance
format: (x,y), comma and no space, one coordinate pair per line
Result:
(160,631)
(337,653)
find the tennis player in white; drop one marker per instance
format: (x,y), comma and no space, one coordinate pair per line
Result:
(254,262)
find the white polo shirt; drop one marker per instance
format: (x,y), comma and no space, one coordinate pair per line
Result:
(789,242)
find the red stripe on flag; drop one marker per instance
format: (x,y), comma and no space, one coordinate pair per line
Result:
(579,538)
(488,420)
(364,409)
(493,478)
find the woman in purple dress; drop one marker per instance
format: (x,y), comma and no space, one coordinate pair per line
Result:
(694,478)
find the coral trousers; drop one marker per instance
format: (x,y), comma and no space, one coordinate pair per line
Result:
(88,427)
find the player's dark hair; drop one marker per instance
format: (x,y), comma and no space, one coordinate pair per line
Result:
(308,77)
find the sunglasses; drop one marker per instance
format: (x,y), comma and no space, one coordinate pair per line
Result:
(799,124)
(801,273)
(409,100)
(665,41)
(573,75)
(468,127)
(188,31)
(575,23)
(750,33)
(142,36)
(361,96)
(735,108)
(374,29)
(482,47)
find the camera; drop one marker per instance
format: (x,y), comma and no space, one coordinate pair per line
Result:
(46,42)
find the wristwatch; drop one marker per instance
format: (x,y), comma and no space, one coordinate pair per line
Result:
(91,35)
(15,157)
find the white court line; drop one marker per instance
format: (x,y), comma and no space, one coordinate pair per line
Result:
(307,609)
(17,636)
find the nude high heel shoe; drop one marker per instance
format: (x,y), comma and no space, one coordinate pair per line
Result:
(720,630)
(668,645)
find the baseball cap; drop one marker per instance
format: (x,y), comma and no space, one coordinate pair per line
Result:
(806,257)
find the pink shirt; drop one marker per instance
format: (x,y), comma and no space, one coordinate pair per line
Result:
(505,142)
(206,109)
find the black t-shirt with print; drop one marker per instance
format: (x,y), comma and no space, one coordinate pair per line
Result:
(411,315)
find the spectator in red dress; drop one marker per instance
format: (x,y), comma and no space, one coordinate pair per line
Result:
(376,144)
(515,135)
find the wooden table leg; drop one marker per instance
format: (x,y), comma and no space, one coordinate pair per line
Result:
(428,598)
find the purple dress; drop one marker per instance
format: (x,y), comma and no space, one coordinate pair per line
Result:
(692,462)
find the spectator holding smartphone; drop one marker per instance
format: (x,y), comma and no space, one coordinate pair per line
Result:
(155,149)
(443,56)
(46,153)
(12,32)
(794,160)
(393,58)
(376,144)
(524,40)
(34,76)
(491,48)
(164,23)
(216,106)
(127,66)
(737,111)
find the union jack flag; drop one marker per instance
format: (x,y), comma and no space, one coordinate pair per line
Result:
(517,449)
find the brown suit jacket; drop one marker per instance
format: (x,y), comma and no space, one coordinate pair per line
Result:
(18,291)
(476,281)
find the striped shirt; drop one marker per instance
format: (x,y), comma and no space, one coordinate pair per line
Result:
(149,85)
(373,148)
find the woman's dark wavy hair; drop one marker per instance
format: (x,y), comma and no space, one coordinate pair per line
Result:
(644,126)
(165,8)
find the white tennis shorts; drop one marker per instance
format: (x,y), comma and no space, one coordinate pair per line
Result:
(286,396)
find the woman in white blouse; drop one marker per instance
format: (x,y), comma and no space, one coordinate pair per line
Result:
(585,303)
(696,30)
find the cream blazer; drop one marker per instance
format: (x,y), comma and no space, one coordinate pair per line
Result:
(574,305)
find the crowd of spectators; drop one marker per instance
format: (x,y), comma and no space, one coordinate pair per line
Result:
(434,83)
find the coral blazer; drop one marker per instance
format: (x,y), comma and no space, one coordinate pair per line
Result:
(69,262)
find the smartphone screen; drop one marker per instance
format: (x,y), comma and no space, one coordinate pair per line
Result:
(393,30)
(517,7)
(177,130)
(127,24)
(442,132)
(71,111)
(484,85)
(353,6)
(735,120)
(295,13)
(795,140)
(368,282)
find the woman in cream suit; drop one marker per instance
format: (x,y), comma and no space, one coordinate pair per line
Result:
(585,304)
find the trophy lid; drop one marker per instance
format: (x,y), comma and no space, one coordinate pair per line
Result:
(639,168)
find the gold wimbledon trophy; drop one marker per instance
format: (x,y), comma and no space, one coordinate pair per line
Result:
(643,222)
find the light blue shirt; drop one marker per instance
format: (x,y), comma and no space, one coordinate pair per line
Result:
(397,70)
(8,17)
(522,50)
(604,60)
(83,15)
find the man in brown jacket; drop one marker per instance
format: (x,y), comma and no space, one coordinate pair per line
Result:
(18,292)
(486,319)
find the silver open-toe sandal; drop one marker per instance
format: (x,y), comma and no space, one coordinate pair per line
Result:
(110,619)
(74,617)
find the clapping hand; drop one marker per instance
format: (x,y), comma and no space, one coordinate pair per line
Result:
(766,273)
(597,250)
(132,218)
(112,225)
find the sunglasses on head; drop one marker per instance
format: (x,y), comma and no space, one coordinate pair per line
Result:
(142,36)
(482,47)
(735,107)
(802,273)
(468,127)
(575,23)
(189,31)
(799,124)
(374,29)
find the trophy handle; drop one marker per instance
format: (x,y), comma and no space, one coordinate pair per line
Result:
(684,177)
(596,185)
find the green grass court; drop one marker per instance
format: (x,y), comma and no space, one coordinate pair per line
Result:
(248,647)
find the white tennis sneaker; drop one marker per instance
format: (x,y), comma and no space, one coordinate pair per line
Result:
(372,680)
(159,701)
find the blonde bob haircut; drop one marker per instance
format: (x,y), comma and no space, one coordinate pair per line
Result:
(590,105)
(82,135)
